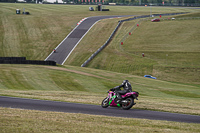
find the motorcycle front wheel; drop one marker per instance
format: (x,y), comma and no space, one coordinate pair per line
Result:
(105,103)
(128,104)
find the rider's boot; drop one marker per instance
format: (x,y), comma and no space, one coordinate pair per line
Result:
(119,98)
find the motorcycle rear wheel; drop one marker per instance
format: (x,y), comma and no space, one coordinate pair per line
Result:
(129,104)
(105,103)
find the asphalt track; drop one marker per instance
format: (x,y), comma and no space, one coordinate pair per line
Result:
(64,49)
(43,105)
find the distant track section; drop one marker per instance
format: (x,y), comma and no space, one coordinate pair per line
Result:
(64,49)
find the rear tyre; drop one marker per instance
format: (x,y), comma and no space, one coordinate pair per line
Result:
(105,103)
(128,104)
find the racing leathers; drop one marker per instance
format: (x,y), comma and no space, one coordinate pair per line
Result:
(127,88)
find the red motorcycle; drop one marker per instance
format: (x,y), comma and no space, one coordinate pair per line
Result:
(126,103)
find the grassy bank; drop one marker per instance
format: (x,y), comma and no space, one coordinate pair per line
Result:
(85,85)
(17,120)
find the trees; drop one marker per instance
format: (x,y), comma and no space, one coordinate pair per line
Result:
(133,2)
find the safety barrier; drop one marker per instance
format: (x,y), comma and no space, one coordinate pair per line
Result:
(102,47)
(22,60)
(12,58)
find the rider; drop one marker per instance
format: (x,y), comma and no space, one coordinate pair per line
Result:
(127,88)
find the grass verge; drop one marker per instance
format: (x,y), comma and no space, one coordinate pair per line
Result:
(18,120)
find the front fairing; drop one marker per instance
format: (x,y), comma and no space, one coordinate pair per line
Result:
(112,97)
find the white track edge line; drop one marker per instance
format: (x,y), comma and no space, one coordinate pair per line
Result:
(63,40)
(78,42)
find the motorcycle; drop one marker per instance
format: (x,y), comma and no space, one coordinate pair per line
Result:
(54,50)
(126,103)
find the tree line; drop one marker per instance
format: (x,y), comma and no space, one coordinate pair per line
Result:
(135,2)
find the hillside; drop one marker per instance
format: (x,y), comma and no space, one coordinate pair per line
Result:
(34,37)
(171,49)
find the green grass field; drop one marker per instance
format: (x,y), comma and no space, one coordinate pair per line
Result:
(171,50)
(34,36)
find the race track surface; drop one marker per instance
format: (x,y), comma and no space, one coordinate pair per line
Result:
(65,48)
(43,105)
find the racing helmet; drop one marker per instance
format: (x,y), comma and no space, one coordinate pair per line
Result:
(125,81)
